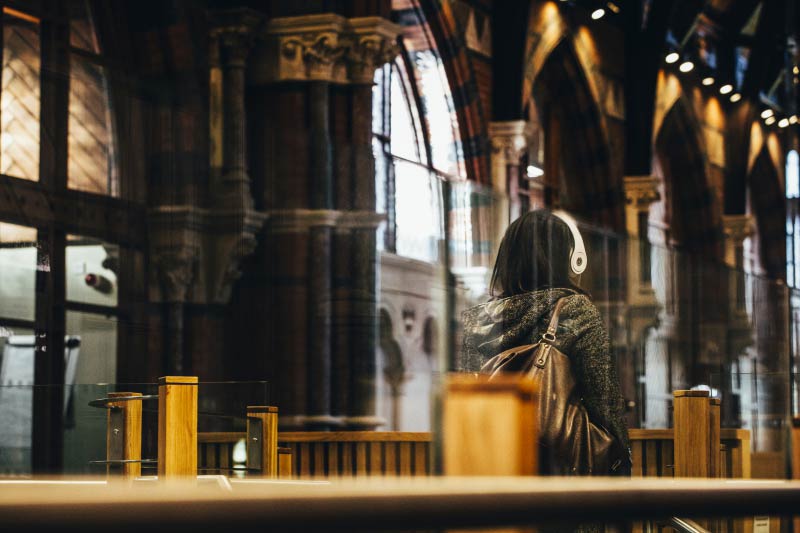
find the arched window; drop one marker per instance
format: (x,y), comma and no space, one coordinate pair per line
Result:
(793,219)
(416,145)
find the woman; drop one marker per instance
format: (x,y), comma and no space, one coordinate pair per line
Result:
(534,269)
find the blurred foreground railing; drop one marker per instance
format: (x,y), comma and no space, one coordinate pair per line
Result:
(383,505)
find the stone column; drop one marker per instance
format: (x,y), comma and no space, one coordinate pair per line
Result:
(509,140)
(640,193)
(642,308)
(233,30)
(736,228)
(321,242)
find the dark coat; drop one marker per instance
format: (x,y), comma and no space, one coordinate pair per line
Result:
(505,323)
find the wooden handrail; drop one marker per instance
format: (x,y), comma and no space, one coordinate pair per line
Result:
(232,437)
(445,503)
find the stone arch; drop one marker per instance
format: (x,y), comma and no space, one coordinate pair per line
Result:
(768,205)
(472,120)
(588,186)
(692,211)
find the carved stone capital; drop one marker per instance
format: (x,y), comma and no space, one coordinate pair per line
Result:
(509,139)
(304,48)
(234,29)
(232,239)
(324,47)
(737,227)
(197,253)
(373,42)
(641,191)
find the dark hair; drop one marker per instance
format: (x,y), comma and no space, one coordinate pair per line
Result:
(533,255)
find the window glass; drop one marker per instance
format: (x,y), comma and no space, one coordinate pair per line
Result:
(81,27)
(94,339)
(406,135)
(20,98)
(91,166)
(440,116)
(792,175)
(16,400)
(418,208)
(91,271)
(17,272)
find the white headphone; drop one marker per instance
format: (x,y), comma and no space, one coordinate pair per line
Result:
(577,257)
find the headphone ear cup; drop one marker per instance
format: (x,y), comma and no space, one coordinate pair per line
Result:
(578,262)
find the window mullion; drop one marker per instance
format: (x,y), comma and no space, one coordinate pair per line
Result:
(48,400)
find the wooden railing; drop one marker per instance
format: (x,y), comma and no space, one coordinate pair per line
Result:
(333,453)
(653,453)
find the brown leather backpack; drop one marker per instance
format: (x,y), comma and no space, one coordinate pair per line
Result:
(571,444)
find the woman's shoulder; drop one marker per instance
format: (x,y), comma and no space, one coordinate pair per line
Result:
(580,312)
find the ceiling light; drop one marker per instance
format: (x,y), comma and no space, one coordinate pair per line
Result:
(598,13)
(534,171)
(735,97)
(796,69)
(766,113)
(793,119)
(708,80)
(770,121)
(783,123)
(672,57)
(686,66)
(613,7)
(725,89)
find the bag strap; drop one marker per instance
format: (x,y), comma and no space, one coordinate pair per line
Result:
(550,334)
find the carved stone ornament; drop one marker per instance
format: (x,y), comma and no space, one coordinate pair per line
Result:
(737,227)
(509,139)
(641,191)
(197,252)
(234,31)
(373,43)
(323,47)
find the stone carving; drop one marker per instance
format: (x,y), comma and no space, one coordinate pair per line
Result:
(509,139)
(737,227)
(198,252)
(314,57)
(641,191)
(177,270)
(324,47)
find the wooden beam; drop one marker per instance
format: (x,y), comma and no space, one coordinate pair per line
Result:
(124,435)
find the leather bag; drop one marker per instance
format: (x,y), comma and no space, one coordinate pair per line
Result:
(571,444)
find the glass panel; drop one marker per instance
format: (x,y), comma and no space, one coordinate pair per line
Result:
(419,208)
(92,166)
(91,271)
(81,27)
(17,272)
(406,135)
(20,99)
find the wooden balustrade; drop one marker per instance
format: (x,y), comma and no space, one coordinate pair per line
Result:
(653,453)
(331,453)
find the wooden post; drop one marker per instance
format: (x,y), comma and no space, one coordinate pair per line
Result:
(796,458)
(692,419)
(285,463)
(714,432)
(262,439)
(177,426)
(124,435)
(490,427)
